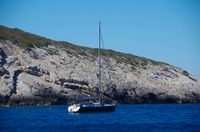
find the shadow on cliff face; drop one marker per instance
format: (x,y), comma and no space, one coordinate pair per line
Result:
(148,98)
(151,98)
(15,78)
(2,57)
(13,90)
(3,74)
(34,101)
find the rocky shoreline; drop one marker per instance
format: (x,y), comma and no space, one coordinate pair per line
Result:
(39,71)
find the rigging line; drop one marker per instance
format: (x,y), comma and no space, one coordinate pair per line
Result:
(109,66)
(102,40)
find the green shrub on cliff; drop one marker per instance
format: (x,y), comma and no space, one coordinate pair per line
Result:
(21,38)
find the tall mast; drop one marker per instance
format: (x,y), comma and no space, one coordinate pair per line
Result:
(99,66)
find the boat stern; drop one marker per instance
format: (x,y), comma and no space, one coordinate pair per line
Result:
(74,108)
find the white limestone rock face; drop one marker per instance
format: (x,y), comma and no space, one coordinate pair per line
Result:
(60,73)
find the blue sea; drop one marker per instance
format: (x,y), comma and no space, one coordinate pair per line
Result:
(158,117)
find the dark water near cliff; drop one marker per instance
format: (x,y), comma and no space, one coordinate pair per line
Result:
(125,118)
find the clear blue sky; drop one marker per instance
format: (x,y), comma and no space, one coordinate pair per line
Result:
(163,30)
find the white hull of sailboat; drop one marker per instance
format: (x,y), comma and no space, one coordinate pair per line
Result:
(74,108)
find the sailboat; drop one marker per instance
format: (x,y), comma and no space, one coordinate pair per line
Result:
(95,103)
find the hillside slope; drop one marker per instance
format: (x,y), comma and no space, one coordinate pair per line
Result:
(37,71)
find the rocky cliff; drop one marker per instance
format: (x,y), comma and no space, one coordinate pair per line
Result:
(39,71)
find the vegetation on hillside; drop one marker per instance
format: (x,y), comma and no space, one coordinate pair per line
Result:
(21,38)
(27,40)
